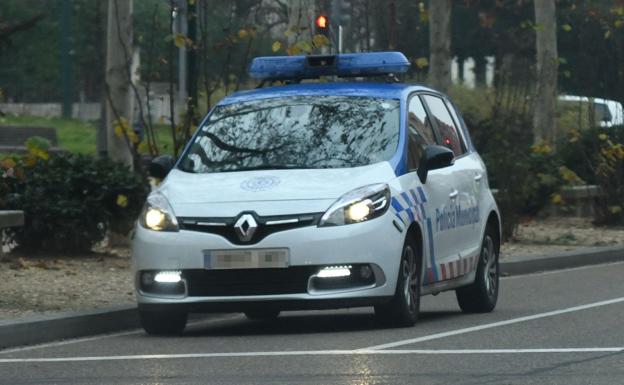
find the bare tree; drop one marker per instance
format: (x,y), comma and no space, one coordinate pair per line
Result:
(544,109)
(119,109)
(440,44)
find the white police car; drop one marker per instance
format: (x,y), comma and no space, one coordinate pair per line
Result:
(316,196)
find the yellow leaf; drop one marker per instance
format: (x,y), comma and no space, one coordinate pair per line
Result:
(7,163)
(422,62)
(293,50)
(276,46)
(43,154)
(566,27)
(320,40)
(30,160)
(304,46)
(603,137)
(556,199)
(122,200)
(180,40)
(191,2)
(134,138)
(618,23)
(143,147)
(118,131)
(607,34)
(243,34)
(615,209)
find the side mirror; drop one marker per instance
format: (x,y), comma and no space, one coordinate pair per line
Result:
(160,166)
(433,158)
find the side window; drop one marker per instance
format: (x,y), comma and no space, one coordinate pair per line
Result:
(449,136)
(462,134)
(420,133)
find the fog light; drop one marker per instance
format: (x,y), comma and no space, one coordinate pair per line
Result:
(168,277)
(334,272)
(147,278)
(365,272)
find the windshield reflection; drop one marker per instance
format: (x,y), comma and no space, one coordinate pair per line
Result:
(296,132)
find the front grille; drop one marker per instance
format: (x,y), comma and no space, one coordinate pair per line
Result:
(207,283)
(267,225)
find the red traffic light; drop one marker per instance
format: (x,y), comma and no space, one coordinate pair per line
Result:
(321,22)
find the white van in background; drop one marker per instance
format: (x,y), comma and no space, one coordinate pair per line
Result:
(607,112)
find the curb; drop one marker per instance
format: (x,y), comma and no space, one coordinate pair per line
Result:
(41,329)
(590,256)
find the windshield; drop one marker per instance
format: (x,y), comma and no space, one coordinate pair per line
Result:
(296,132)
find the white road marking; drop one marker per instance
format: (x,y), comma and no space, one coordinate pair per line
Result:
(308,353)
(105,336)
(494,324)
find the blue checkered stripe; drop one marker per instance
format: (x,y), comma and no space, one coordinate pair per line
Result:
(409,206)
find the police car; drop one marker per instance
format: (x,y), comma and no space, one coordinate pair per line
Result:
(319,196)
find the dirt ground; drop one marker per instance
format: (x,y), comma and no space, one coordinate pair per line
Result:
(36,285)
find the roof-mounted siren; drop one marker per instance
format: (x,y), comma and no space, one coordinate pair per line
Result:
(341,65)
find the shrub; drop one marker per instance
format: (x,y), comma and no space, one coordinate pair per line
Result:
(597,155)
(70,200)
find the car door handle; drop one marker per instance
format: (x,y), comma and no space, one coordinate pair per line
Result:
(478,177)
(453,194)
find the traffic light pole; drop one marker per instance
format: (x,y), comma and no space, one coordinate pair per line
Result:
(339,38)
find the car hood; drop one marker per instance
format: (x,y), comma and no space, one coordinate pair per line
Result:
(183,188)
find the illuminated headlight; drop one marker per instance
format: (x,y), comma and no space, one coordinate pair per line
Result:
(158,215)
(359,205)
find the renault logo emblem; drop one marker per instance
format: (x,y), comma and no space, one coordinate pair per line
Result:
(245,227)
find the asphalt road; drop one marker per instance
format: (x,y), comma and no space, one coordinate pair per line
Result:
(562,327)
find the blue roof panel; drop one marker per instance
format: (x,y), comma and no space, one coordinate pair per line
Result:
(378,90)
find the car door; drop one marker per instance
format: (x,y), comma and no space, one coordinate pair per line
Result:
(459,218)
(431,197)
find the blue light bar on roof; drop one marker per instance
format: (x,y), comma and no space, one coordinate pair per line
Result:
(342,65)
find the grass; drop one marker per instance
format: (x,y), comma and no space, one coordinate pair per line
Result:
(80,137)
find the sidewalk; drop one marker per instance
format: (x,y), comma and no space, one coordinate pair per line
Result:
(41,329)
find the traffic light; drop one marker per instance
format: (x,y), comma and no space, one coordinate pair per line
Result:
(321,25)
(341,12)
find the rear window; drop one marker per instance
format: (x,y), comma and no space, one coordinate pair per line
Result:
(296,132)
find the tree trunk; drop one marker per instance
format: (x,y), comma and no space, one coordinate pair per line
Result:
(544,109)
(118,91)
(440,44)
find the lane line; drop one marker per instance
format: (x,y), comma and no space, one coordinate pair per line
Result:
(309,353)
(494,325)
(106,336)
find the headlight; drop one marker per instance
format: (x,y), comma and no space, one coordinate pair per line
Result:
(158,215)
(359,205)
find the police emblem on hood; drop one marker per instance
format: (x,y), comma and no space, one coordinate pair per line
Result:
(260,183)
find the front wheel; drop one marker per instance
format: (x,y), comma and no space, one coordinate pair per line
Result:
(482,295)
(404,308)
(163,322)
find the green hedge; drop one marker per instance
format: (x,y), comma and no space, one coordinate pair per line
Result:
(70,201)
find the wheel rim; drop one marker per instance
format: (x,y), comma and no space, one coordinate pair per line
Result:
(490,266)
(410,277)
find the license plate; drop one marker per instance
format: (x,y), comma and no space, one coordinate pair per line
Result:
(246,259)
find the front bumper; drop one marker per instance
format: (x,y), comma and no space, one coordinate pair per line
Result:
(375,243)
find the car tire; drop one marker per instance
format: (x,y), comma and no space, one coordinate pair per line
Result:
(163,322)
(262,314)
(404,307)
(482,295)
